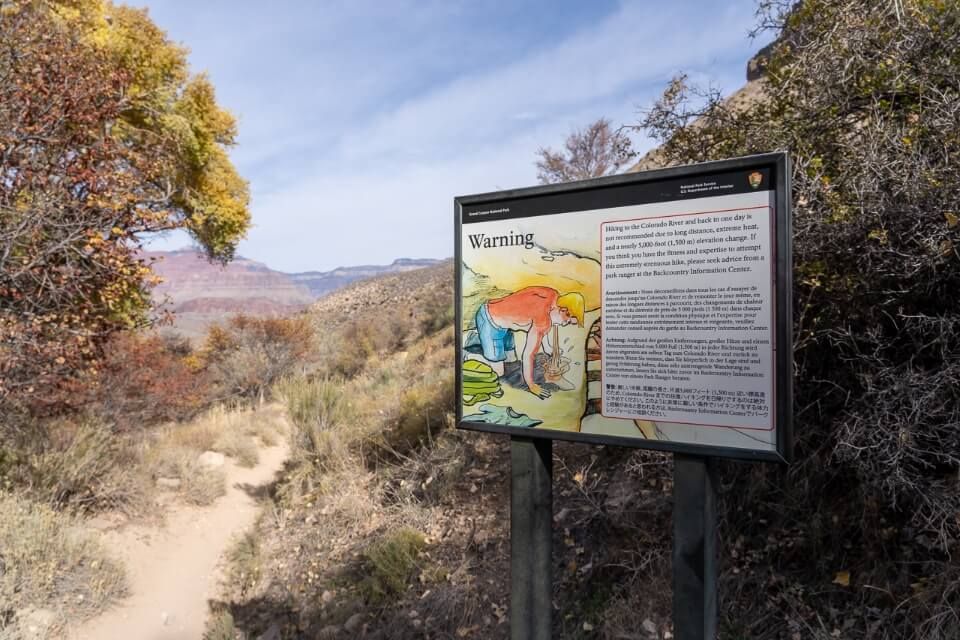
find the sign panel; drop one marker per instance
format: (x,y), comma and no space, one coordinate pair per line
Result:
(644,310)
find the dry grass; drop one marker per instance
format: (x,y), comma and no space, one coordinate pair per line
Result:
(85,466)
(239,446)
(172,453)
(321,418)
(268,423)
(234,432)
(81,466)
(375,478)
(220,627)
(222,427)
(388,512)
(199,485)
(390,562)
(47,561)
(422,412)
(199,435)
(67,468)
(244,567)
(342,427)
(382,542)
(393,407)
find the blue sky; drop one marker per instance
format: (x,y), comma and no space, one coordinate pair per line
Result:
(360,121)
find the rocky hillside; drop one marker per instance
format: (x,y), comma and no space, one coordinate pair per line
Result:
(408,293)
(322,282)
(390,524)
(200,293)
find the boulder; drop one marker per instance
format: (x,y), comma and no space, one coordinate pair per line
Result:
(36,623)
(168,483)
(352,625)
(211,459)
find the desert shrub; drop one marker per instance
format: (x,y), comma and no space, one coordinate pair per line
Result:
(863,96)
(198,484)
(220,626)
(436,313)
(79,464)
(317,410)
(47,560)
(364,339)
(346,364)
(245,563)
(423,409)
(389,564)
(148,380)
(139,380)
(238,445)
(63,473)
(248,355)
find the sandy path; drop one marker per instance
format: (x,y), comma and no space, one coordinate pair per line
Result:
(175,570)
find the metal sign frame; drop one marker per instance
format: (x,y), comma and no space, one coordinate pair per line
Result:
(579,196)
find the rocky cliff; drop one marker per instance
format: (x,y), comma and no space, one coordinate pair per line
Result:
(200,293)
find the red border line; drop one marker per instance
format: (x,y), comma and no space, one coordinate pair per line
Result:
(773,312)
(692,213)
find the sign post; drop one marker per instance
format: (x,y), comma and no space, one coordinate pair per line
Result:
(644,310)
(694,548)
(531,524)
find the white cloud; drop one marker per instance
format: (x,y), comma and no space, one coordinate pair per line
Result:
(356,150)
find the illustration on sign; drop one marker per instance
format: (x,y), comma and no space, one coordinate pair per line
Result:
(645,314)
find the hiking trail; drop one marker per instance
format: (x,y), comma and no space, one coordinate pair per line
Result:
(174,569)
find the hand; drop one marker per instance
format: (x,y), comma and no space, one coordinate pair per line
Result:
(538,391)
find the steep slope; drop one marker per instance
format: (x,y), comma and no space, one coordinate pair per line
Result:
(322,282)
(188,276)
(201,293)
(408,293)
(390,524)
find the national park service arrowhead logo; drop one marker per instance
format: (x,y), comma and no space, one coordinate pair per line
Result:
(755,179)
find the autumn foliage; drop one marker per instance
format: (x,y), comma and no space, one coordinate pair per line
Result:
(149,380)
(247,355)
(104,136)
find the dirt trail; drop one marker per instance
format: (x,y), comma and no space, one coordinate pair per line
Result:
(173,571)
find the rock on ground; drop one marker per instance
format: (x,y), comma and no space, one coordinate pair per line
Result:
(353,623)
(211,459)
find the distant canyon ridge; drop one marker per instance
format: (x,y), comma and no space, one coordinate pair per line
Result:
(200,293)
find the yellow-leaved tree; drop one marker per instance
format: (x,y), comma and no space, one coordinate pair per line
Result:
(105,135)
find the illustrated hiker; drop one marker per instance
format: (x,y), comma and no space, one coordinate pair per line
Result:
(533,310)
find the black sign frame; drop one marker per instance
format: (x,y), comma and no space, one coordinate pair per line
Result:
(638,188)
